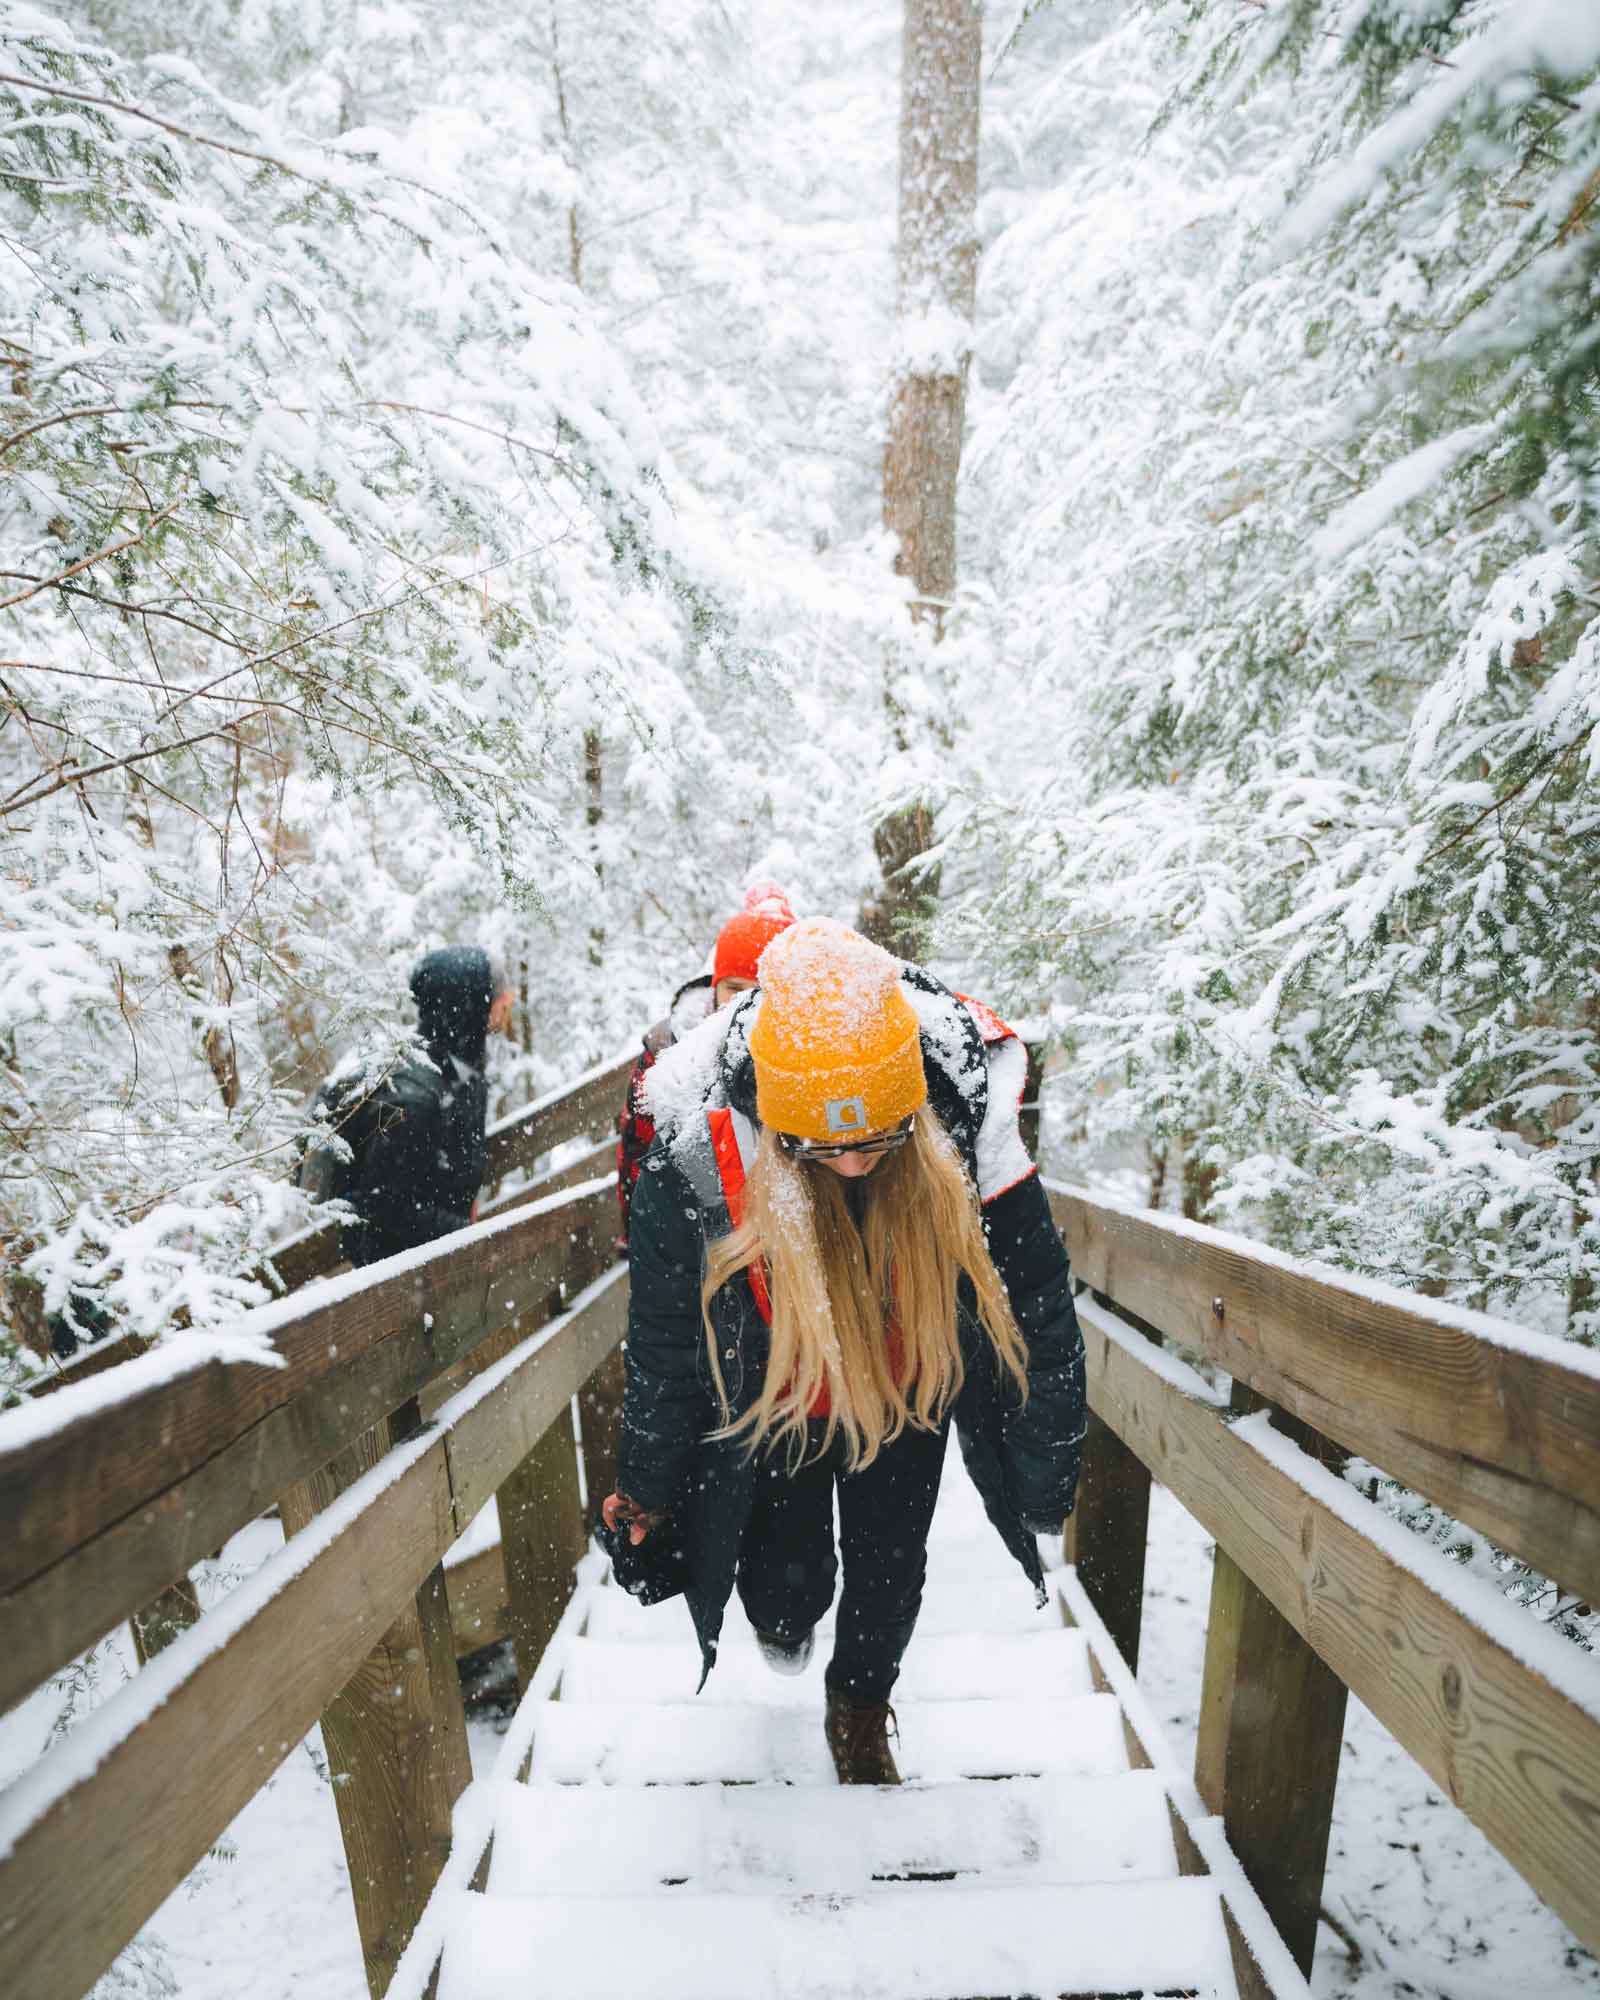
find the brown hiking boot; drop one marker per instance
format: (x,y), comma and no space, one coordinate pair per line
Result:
(858,1740)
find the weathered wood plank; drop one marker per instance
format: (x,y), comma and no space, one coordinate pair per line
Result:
(589,1105)
(1505,1433)
(597,1160)
(171,1474)
(1516,1753)
(100,1465)
(67,1606)
(479,1614)
(90,1361)
(154,1806)
(600,1429)
(396,1739)
(570,1270)
(1271,1730)
(148,1808)
(312,1252)
(1107,1534)
(542,1537)
(1251,1981)
(155,1625)
(515,1405)
(395,1735)
(1267,1759)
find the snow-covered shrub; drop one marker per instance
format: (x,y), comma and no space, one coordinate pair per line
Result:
(416,626)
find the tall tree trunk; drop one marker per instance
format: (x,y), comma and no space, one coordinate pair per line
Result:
(593,745)
(569,154)
(594,812)
(940,98)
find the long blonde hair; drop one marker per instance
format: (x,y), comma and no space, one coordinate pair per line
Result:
(836,1289)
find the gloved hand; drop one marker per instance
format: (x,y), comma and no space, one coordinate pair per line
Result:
(617,1510)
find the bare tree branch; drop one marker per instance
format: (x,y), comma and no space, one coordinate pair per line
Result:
(111,549)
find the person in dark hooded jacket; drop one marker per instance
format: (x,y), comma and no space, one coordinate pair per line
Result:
(839,1245)
(404,1144)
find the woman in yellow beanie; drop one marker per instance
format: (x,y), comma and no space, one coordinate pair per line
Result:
(839,1244)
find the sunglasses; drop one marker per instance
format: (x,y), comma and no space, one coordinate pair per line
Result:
(812,1149)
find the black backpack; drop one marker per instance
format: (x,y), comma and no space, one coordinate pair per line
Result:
(347,1114)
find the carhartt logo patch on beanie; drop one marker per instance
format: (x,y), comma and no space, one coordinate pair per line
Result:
(834,1041)
(743,938)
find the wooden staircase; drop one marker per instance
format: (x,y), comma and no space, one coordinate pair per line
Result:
(668,1846)
(642,1839)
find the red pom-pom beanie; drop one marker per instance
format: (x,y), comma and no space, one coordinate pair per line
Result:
(743,938)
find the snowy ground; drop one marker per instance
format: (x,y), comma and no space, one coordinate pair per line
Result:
(276,1921)
(1432,1909)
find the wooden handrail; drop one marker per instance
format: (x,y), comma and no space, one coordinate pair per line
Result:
(1315,1591)
(153,1465)
(1502,1427)
(595,1162)
(142,1487)
(590,1104)
(1498,1425)
(1506,1729)
(514,1143)
(132,1808)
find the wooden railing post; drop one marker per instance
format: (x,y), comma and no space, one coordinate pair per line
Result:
(1107,1534)
(1271,1729)
(600,1428)
(541,1538)
(396,1737)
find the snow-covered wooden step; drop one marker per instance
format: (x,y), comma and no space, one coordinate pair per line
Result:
(959,1512)
(699,1742)
(987,1603)
(959,1667)
(901,1942)
(972,1557)
(655,1839)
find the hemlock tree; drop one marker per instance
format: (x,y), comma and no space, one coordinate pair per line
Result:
(482,582)
(328,518)
(1286,494)
(1308,540)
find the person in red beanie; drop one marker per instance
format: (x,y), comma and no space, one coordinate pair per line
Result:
(739,946)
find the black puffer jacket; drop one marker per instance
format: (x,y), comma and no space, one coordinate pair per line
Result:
(1023,1458)
(405,1144)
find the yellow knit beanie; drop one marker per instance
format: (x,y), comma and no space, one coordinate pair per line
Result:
(834,1041)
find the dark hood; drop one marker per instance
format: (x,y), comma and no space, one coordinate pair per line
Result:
(454,989)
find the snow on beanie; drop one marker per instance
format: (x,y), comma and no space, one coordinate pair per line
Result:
(835,1041)
(743,938)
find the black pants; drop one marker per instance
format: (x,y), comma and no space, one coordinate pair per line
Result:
(787,1564)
